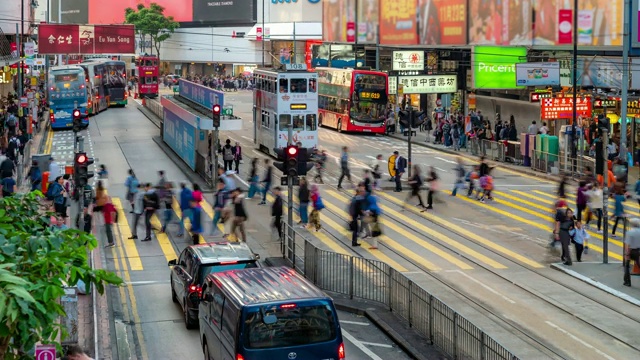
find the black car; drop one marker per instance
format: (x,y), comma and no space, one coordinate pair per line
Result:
(195,263)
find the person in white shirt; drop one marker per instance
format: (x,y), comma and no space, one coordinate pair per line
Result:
(377,165)
(544,129)
(533,128)
(54,169)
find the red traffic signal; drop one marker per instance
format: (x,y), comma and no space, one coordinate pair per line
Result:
(216,109)
(76,113)
(292,151)
(81,159)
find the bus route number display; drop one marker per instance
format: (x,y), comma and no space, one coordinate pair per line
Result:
(370,95)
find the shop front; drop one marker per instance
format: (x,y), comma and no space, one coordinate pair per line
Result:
(557,112)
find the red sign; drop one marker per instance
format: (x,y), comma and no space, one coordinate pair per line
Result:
(565,26)
(259,34)
(308,52)
(86,39)
(351,31)
(398,22)
(45,352)
(562,108)
(443,22)
(537,96)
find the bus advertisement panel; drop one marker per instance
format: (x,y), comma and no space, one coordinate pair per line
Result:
(67,91)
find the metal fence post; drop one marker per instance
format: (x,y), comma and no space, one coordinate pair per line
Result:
(431,319)
(293,250)
(409,309)
(350,277)
(390,291)
(482,346)
(315,265)
(70,322)
(455,335)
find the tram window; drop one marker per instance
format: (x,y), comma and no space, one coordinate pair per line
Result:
(265,120)
(284,85)
(298,85)
(284,121)
(311,122)
(298,122)
(272,86)
(312,85)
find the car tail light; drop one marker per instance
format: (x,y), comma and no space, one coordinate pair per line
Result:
(52,118)
(195,289)
(228,262)
(239,357)
(341,354)
(288,306)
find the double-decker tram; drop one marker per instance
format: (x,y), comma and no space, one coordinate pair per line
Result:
(67,92)
(281,98)
(147,68)
(352,100)
(114,78)
(95,87)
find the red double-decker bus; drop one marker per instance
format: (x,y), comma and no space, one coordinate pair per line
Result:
(148,67)
(352,100)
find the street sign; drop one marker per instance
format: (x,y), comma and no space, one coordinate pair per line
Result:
(45,352)
(23,101)
(259,34)
(227,111)
(351,31)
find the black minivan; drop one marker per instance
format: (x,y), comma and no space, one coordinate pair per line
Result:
(195,263)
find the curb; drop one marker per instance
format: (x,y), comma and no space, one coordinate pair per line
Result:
(619,294)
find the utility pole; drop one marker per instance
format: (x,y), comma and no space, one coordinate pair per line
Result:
(605,197)
(410,109)
(574,83)
(81,196)
(214,156)
(378,48)
(263,31)
(20,44)
(625,80)
(289,184)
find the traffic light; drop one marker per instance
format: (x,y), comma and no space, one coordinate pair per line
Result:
(216,115)
(417,119)
(77,120)
(405,118)
(81,171)
(304,161)
(291,154)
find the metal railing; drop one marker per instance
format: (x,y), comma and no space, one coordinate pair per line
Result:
(374,280)
(155,107)
(561,163)
(503,151)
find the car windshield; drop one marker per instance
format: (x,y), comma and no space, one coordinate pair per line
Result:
(297,324)
(215,268)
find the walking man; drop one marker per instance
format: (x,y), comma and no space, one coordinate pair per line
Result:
(400,167)
(137,210)
(276,210)
(266,181)
(344,167)
(151,203)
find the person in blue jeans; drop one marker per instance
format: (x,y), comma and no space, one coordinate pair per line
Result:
(196,221)
(303,198)
(186,197)
(253,178)
(266,181)
(219,198)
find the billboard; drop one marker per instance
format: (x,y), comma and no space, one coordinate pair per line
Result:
(408,60)
(599,71)
(86,39)
(184,11)
(336,14)
(562,108)
(494,67)
(368,20)
(538,74)
(398,22)
(442,22)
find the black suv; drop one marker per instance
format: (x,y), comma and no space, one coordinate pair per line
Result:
(195,263)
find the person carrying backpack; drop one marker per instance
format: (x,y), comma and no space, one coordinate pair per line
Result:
(13,148)
(12,124)
(317,205)
(227,155)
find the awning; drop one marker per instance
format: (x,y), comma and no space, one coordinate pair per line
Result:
(284,31)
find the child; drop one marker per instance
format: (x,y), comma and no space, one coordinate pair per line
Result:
(316,201)
(196,221)
(486,182)
(580,237)
(110,216)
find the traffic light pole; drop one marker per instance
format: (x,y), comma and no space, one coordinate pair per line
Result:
(410,109)
(605,197)
(80,192)
(290,185)
(214,157)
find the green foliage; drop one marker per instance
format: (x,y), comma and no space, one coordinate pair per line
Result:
(36,261)
(151,21)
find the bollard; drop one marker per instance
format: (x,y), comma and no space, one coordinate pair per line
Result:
(69,303)
(45,181)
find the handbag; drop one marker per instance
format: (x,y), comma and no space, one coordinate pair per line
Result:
(376,229)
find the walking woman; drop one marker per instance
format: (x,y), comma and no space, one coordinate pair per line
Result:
(416,183)
(618,211)
(562,234)
(317,205)
(131,183)
(432,179)
(253,178)
(595,203)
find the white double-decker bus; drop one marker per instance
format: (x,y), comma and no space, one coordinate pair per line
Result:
(283,97)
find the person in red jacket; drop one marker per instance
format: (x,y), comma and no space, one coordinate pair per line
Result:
(110,217)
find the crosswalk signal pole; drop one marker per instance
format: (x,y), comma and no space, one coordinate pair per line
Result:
(410,109)
(290,184)
(605,197)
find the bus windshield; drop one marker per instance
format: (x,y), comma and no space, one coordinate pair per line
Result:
(369,98)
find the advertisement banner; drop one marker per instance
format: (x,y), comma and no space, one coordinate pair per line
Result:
(538,74)
(442,22)
(336,14)
(392,85)
(112,11)
(494,67)
(499,22)
(86,39)
(565,27)
(200,94)
(562,108)
(585,26)
(408,60)
(429,84)
(368,20)
(398,23)
(73,11)
(224,11)
(180,136)
(600,71)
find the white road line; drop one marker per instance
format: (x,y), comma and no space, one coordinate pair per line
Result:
(483,285)
(445,160)
(371,146)
(354,322)
(246,137)
(371,157)
(437,168)
(360,345)
(577,339)
(377,344)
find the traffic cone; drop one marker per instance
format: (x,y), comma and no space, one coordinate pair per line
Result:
(144,103)
(636,269)
(135,95)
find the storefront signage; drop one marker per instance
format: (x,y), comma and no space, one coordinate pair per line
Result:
(537,96)
(538,74)
(562,108)
(86,39)
(633,107)
(600,104)
(392,85)
(429,84)
(494,67)
(408,60)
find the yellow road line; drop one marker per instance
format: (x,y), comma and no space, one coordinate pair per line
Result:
(469,235)
(135,263)
(526,194)
(546,228)
(187,222)
(525,202)
(49,142)
(163,240)
(426,245)
(208,209)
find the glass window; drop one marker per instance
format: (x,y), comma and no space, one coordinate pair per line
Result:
(210,269)
(311,122)
(284,121)
(298,122)
(265,119)
(298,85)
(216,306)
(155,79)
(312,85)
(295,326)
(273,87)
(229,322)
(284,85)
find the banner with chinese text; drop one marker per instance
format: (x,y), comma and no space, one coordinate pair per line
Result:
(86,39)
(562,108)
(442,22)
(429,84)
(398,23)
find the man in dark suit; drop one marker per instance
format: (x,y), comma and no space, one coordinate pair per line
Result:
(400,167)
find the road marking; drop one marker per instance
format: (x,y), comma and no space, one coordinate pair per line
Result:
(134,283)
(135,263)
(354,323)
(445,160)
(377,344)
(490,289)
(246,137)
(371,146)
(360,345)
(577,339)
(48,144)
(187,221)
(440,169)
(163,240)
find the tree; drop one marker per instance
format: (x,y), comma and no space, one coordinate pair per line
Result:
(151,21)
(36,261)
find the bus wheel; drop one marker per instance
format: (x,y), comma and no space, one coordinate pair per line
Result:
(339,126)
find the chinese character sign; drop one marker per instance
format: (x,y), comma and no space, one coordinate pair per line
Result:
(429,84)
(408,60)
(86,39)
(398,23)
(562,108)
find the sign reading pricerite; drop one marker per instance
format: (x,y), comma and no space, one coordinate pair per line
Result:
(494,67)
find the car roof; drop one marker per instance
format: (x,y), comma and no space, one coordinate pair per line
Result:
(264,285)
(216,252)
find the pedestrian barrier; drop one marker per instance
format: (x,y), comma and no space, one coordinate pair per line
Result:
(561,164)
(374,280)
(155,107)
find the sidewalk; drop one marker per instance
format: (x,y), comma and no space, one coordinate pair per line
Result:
(36,144)
(606,277)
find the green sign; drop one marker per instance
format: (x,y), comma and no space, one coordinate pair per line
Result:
(494,67)
(227,111)
(176,88)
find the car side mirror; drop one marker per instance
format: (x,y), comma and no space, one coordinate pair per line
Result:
(173,262)
(257,256)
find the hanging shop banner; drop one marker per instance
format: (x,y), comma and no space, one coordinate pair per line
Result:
(336,14)
(86,39)
(392,85)
(442,22)
(562,108)
(494,67)
(429,84)
(408,60)
(538,74)
(368,20)
(398,22)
